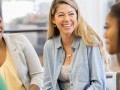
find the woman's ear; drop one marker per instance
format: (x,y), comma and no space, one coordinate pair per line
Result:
(53,21)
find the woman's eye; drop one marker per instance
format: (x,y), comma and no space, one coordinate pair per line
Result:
(71,14)
(60,15)
(105,27)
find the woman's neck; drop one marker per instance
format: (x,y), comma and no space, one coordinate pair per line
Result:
(67,40)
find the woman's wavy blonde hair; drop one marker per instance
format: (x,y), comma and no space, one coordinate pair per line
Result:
(83,30)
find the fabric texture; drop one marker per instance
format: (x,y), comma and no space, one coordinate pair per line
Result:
(86,72)
(25,59)
(2,84)
(9,74)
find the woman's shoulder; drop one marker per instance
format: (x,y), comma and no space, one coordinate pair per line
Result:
(18,36)
(53,42)
(93,50)
(49,43)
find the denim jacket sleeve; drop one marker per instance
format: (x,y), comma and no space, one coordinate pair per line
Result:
(96,69)
(47,75)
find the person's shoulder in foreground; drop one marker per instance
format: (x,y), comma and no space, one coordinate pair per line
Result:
(31,68)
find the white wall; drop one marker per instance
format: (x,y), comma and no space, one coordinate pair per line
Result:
(94,12)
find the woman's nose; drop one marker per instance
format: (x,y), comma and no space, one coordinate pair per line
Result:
(67,18)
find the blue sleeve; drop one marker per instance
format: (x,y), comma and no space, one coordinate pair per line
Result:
(96,69)
(47,83)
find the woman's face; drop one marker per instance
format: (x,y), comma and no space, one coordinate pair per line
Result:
(65,19)
(111,34)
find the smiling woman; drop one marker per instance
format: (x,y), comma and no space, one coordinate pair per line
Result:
(70,36)
(65,20)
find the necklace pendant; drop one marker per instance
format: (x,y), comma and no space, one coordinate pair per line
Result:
(68,56)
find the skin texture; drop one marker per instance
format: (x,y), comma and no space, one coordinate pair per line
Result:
(111,34)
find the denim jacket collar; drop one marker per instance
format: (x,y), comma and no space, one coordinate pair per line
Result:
(58,43)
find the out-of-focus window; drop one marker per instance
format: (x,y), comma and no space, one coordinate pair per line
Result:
(25,14)
(29,17)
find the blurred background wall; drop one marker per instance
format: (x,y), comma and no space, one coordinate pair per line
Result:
(30,17)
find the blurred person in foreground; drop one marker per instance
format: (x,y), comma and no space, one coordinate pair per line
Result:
(112,35)
(72,58)
(20,67)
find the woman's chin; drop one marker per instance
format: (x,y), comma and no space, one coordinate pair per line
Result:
(113,51)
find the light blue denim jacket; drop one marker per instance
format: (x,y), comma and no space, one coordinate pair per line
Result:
(86,69)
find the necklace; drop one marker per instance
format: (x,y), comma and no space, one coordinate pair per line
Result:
(68,56)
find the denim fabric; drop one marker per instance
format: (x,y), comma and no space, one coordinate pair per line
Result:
(86,69)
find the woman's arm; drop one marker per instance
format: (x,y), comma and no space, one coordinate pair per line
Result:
(34,87)
(34,66)
(96,69)
(47,79)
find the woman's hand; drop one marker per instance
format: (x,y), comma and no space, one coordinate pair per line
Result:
(34,87)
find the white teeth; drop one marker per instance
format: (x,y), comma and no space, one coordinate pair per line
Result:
(66,25)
